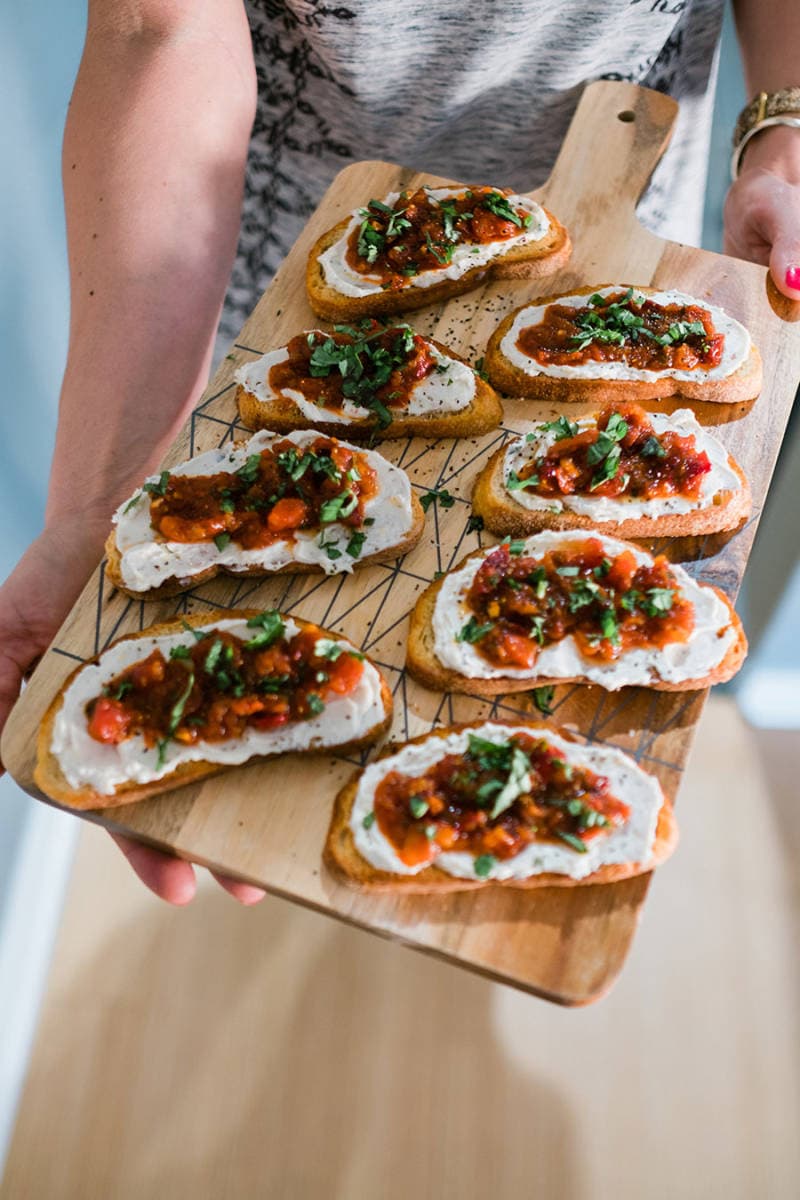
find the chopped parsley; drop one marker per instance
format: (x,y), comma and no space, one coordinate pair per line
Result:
(474,524)
(316,704)
(369,820)
(222,540)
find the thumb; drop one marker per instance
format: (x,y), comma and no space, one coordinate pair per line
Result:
(784,262)
(10,684)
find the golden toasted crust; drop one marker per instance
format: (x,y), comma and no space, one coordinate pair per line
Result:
(533,261)
(50,778)
(484,413)
(173,587)
(425,667)
(502,515)
(743,384)
(343,859)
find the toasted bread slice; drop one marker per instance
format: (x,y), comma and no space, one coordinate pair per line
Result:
(533,261)
(281,414)
(740,385)
(344,860)
(424,665)
(503,514)
(50,777)
(379,546)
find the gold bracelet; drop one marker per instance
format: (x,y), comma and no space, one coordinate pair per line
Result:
(738,150)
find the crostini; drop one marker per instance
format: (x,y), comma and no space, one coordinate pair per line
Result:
(623,343)
(411,249)
(621,471)
(273,504)
(498,802)
(365,380)
(564,607)
(190,697)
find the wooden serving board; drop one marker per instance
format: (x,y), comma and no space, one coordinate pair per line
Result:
(267,823)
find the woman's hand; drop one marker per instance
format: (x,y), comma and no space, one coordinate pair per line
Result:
(34,601)
(762,208)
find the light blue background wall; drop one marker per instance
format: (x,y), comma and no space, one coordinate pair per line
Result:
(40,46)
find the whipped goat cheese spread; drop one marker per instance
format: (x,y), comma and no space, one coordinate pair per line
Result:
(147,560)
(103,766)
(631,842)
(709,642)
(448,389)
(735,350)
(466,255)
(721,478)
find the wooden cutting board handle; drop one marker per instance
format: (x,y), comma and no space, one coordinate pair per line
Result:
(617,136)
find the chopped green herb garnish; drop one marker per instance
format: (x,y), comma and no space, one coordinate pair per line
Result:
(270,627)
(330,548)
(474,524)
(338,508)
(369,820)
(356,544)
(316,704)
(418,806)
(658,601)
(441,496)
(561,427)
(515,484)
(122,688)
(499,205)
(332,650)
(222,540)
(652,448)
(484,864)
(473,631)
(248,472)
(160,488)
(543,699)
(134,500)
(572,840)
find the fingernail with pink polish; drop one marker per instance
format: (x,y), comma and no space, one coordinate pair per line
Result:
(793,278)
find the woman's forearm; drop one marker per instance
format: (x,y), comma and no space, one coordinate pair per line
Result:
(154,154)
(769,38)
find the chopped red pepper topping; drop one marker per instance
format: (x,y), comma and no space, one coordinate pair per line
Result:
(278,491)
(221,685)
(620,456)
(608,603)
(370,365)
(420,233)
(493,801)
(625,327)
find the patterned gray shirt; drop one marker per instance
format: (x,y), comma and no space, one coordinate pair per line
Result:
(482,92)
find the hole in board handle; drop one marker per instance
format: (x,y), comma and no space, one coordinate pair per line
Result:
(627,115)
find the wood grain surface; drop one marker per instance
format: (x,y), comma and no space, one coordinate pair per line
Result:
(267,823)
